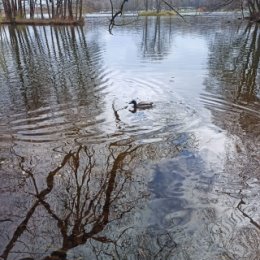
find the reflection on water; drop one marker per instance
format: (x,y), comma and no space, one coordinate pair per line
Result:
(46,83)
(233,94)
(233,98)
(77,201)
(83,177)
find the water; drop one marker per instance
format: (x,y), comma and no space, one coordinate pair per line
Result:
(83,177)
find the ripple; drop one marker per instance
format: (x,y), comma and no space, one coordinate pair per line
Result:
(68,88)
(220,104)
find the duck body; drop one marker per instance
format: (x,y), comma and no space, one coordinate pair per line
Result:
(142,104)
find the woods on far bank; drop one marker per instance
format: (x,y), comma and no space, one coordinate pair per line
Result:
(72,11)
(44,11)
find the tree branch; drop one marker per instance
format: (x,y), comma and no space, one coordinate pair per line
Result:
(114,15)
(174,9)
(227,2)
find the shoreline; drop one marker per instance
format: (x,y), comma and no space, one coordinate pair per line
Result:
(38,21)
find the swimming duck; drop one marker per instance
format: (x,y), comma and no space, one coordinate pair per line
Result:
(141,105)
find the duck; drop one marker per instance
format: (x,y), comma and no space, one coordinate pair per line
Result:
(141,105)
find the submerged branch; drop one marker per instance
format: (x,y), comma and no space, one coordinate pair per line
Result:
(252,221)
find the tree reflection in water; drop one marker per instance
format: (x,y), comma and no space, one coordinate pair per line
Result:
(156,38)
(83,201)
(47,66)
(94,203)
(233,98)
(233,95)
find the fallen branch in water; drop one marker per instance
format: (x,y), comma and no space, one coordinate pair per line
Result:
(252,221)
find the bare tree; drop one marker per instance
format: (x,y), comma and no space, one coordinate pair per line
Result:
(56,10)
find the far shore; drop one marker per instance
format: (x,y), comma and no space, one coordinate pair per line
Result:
(38,21)
(79,22)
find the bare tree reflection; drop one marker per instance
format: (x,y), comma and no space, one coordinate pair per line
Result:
(233,95)
(156,38)
(248,87)
(51,82)
(159,33)
(233,98)
(86,199)
(44,61)
(236,60)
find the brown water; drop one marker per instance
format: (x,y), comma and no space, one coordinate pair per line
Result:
(83,177)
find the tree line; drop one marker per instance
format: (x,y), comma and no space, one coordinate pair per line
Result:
(72,10)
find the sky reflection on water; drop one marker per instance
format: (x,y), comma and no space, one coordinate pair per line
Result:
(82,176)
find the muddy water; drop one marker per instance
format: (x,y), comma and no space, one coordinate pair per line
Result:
(85,176)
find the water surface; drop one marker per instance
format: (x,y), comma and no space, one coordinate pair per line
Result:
(84,176)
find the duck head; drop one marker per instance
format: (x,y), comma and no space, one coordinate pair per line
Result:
(133,102)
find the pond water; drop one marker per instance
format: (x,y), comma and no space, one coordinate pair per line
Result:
(86,176)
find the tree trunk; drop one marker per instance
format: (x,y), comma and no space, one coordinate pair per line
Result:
(7,10)
(41,9)
(31,9)
(158,6)
(20,8)
(80,9)
(146,5)
(70,9)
